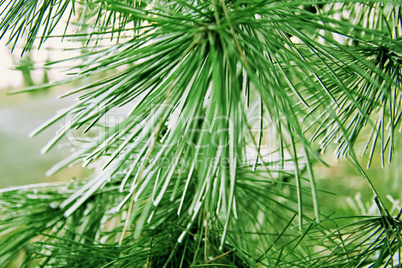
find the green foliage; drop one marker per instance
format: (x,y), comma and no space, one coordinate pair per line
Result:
(213,162)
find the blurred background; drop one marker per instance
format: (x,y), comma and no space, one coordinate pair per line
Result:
(20,159)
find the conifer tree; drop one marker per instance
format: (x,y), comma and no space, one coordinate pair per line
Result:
(229,105)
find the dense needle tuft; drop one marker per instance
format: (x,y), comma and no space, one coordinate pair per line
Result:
(225,105)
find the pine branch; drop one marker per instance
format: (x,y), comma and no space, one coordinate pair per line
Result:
(219,95)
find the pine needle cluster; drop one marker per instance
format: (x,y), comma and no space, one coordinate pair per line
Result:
(228,106)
